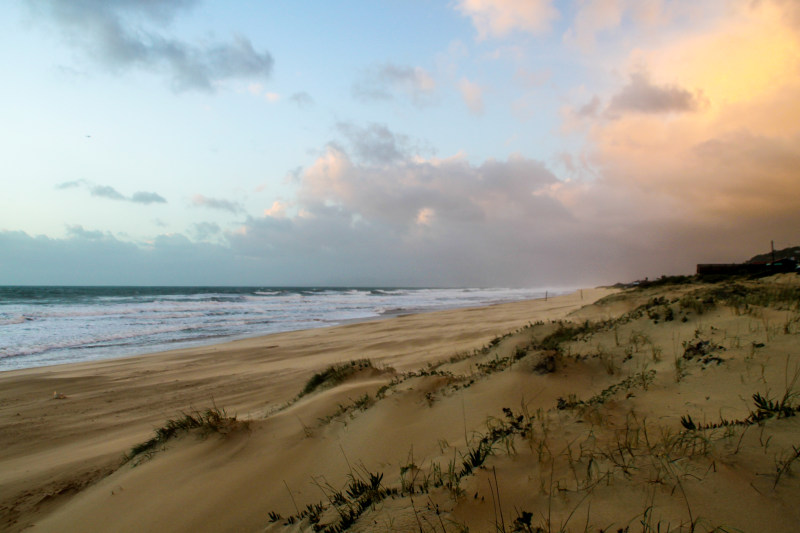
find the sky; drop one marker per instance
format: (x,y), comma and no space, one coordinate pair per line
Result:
(514,143)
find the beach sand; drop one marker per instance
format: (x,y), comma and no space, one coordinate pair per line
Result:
(468,418)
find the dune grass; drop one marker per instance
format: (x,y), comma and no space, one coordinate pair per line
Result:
(334,374)
(611,443)
(210,420)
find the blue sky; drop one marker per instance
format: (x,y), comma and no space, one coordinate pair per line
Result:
(471,142)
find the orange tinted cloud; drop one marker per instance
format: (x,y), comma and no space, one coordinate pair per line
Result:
(722,137)
(498,18)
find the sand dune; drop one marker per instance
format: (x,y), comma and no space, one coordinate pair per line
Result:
(487,419)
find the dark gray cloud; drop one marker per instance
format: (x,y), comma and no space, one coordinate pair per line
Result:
(71,184)
(641,96)
(106,191)
(389,81)
(142,197)
(128,34)
(377,144)
(198,200)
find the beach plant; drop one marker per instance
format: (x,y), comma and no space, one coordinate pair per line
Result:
(496,340)
(766,407)
(783,465)
(362,492)
(698,302)
(703,350)
(566,332)
(520,352)
(547,362)
(607,360)
(638,339)
(475,457)
(493,365)
(362,403)
(335,374)
(656,352)
(640,379)
(207,421)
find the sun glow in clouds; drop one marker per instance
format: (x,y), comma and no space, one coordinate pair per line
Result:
(441,146)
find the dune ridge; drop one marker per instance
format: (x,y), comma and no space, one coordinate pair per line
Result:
(667,408)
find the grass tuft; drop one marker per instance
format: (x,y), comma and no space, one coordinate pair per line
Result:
(211,420)
(335,374)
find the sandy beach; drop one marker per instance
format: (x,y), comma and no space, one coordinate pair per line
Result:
(499,418)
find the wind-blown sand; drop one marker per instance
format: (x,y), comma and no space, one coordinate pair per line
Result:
(474,418)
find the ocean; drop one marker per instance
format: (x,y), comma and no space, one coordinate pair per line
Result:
(51,325)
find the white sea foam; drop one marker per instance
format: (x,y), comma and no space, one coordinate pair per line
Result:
(50,325)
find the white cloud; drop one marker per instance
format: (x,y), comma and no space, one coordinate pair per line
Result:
(498,18)
(278,210)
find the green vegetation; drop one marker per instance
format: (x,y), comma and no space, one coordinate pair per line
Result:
(343,507)
(211,420)
(639,380)
(610,440)
(567,332)
(335,374)
(765,408)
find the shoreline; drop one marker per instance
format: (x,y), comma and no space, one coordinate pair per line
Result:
(277,317)
(222,340)
(109,405)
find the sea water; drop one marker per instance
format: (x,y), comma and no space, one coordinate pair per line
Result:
(52,325)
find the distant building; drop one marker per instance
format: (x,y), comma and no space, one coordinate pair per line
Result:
(745,269)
